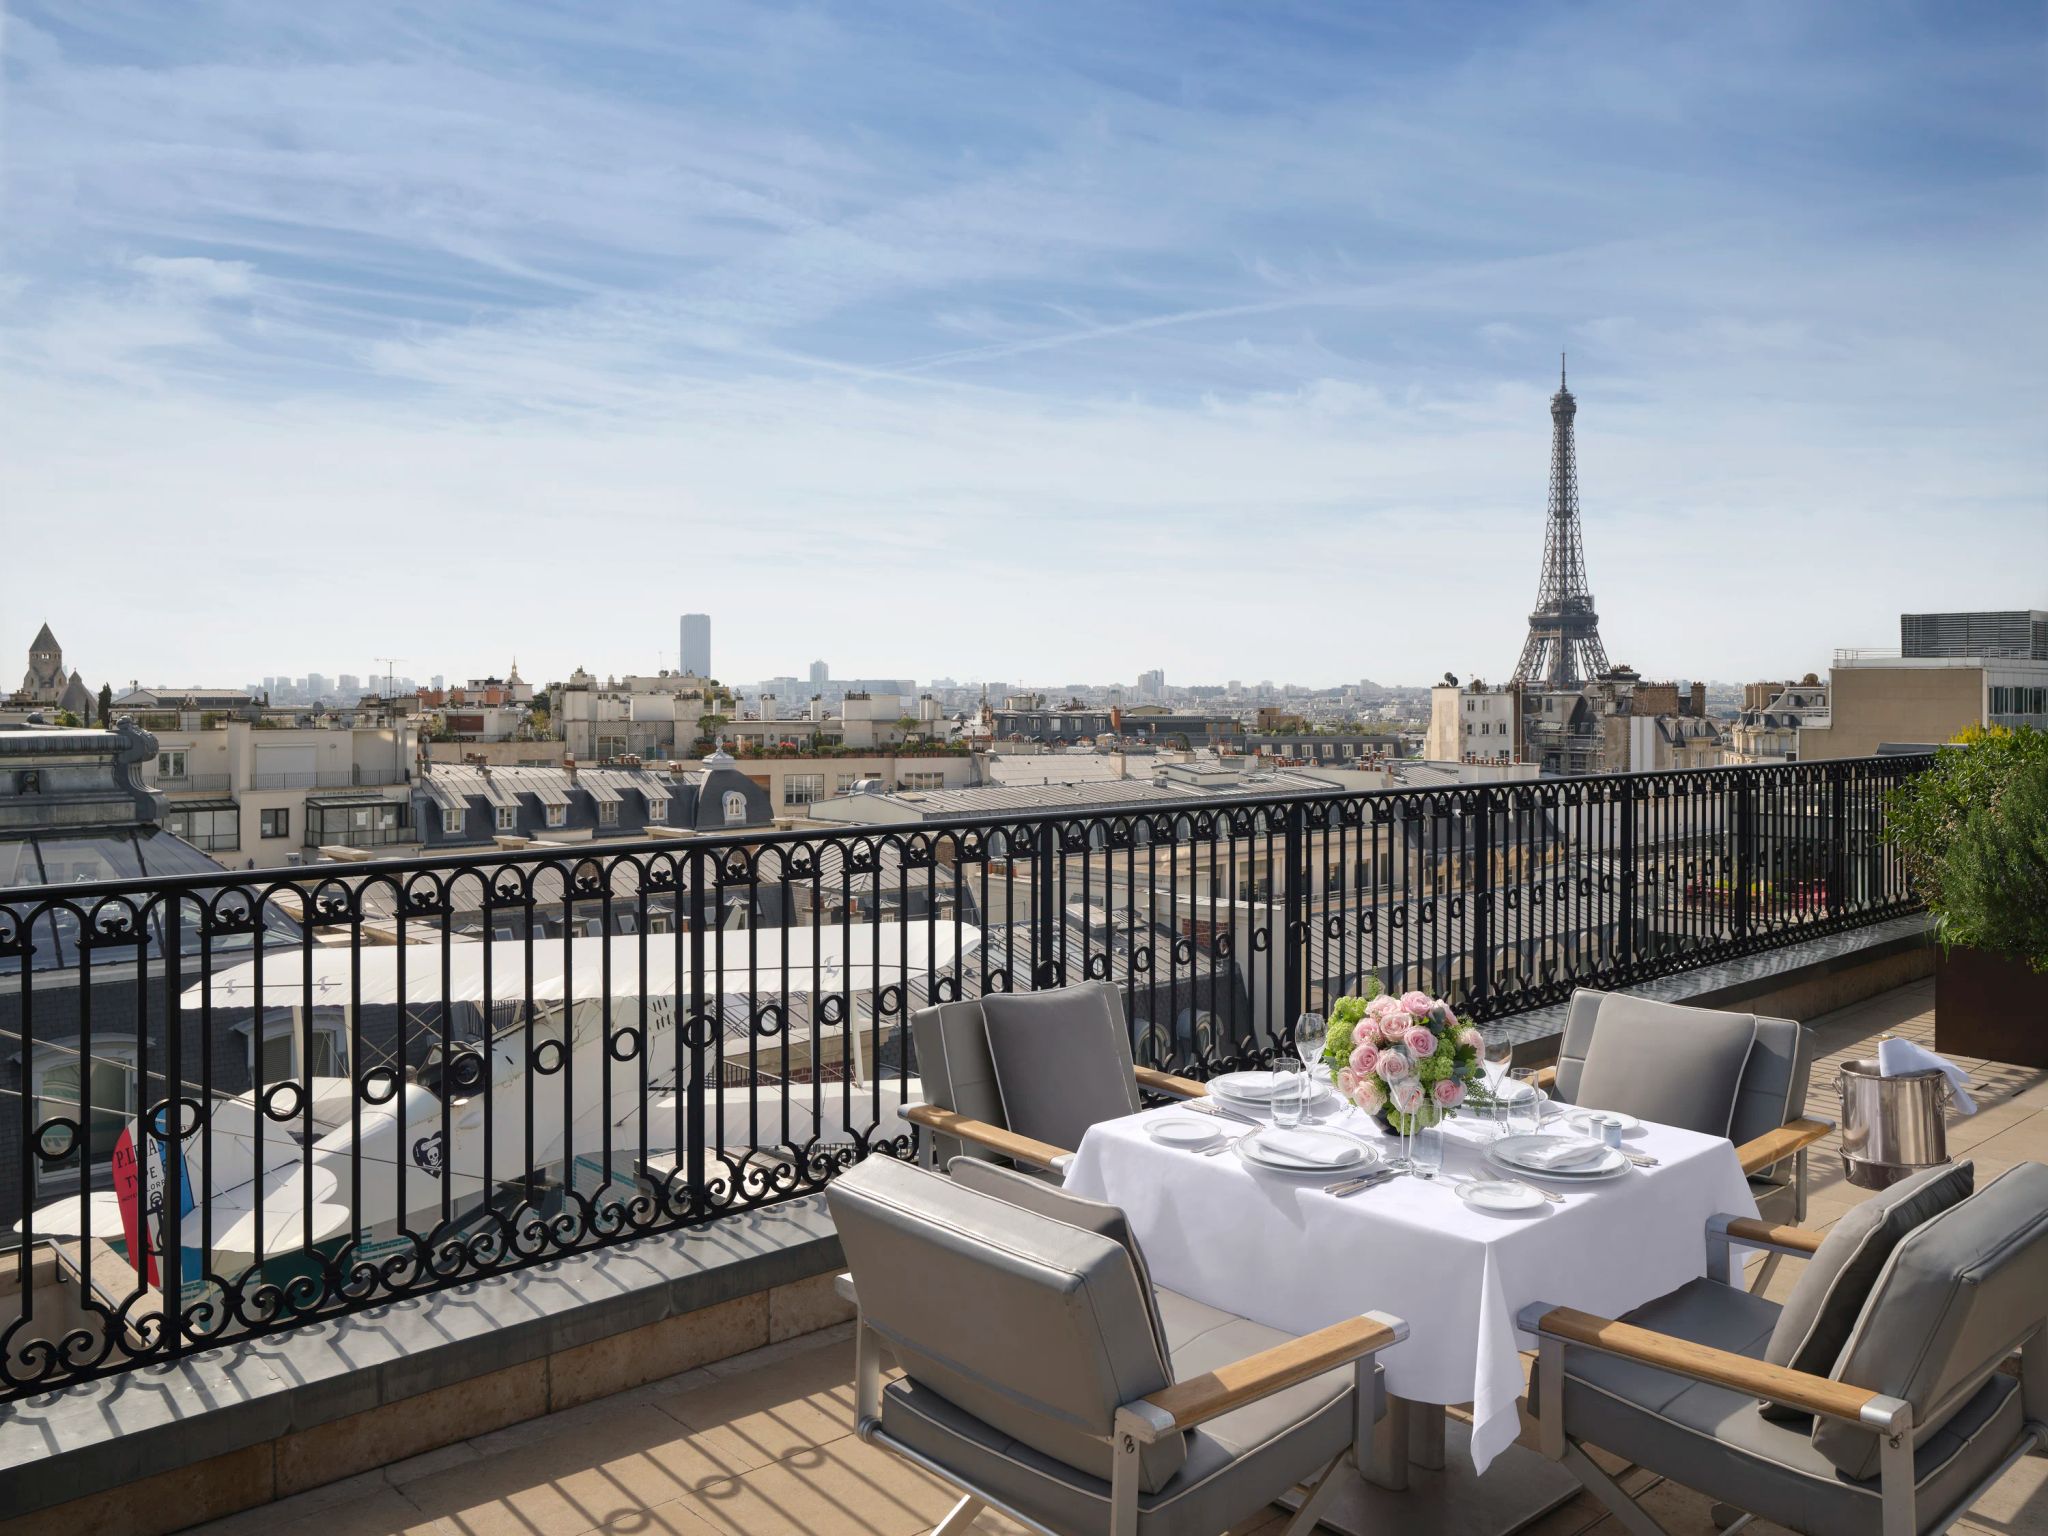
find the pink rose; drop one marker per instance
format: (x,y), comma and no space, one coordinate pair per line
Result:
(1346,1081)
(1417,1003)
(1392,1065)
(1419,1040)
(1369,1095)
(1450,1093)
(1363,1057)
(1407,1096)
(1472,1040)
(1379,1007)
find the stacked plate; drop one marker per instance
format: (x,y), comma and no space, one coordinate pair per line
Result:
(1253,1091)
(1305,1150)
(1569,1159)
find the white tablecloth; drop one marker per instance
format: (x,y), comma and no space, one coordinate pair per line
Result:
(1277,1249)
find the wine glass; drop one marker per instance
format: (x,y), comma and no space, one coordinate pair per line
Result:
(1494,1061)
(1310,1033)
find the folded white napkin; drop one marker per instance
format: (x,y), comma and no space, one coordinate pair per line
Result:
(1897,1056)
(1323,1151)
(1564,1154)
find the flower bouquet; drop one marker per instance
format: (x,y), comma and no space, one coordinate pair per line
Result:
(1406,1060)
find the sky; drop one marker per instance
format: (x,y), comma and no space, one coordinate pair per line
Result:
(1044,343)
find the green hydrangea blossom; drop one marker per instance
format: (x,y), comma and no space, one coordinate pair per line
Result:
(1343,1020)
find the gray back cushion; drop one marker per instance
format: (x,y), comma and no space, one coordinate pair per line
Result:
(1658,1061)
(1774,1080)
(1836,1281)
(1960,1292)
(1033,1326)
(1062,1060)
(954,1067)
(1579,1020)
(1049,1200)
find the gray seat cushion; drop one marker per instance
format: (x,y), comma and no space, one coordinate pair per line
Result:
(1713,1440)
(1236,1463)
(1960,1293)
(1657,1061)
(954,1067)
(1050,1200)
(1062,1060)
(1822,1309)
(1032,1326)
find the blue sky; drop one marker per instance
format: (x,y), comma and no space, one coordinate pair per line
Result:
(1033,342)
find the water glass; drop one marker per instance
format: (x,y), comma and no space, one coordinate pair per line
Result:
(1526,1103)
(1290,1094)
(1426,1152)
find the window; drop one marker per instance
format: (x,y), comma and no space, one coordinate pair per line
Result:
(921,780)
(843,782)
(802,788)
(508,818)
(276,823)
(735,808)
(102,1110)
(657,808)
(170,765)
(558,816)
(451,822)
(205,826)
(328,1040)
(607,813)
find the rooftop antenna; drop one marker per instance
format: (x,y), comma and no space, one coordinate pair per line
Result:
(390,663)
(1560,370)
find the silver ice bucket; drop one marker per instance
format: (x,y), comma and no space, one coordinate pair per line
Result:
(1891,1126)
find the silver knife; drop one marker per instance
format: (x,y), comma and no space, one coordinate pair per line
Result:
(1364,1181)
(1211,1107)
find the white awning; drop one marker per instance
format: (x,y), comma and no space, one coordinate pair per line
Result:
(857,958)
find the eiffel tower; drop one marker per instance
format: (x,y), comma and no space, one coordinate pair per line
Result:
(1563,650)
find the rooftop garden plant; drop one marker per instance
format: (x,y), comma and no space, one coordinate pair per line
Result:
(1973,833)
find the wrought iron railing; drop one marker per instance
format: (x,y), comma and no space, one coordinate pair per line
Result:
(272,1096)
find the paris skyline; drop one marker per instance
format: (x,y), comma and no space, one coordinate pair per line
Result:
(1066,344)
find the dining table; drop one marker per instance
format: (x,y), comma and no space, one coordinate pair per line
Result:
(1281,1249)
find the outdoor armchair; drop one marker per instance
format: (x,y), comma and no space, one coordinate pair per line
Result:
(1043,1377)
(1022,1075)
(1919,1414)
(1735,1074)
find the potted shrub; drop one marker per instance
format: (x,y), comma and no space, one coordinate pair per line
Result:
(1973,832)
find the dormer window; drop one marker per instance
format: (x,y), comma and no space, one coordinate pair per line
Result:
(657,809)
(508,819)
(558,815)
(735,808)
(451,823)
(607,813)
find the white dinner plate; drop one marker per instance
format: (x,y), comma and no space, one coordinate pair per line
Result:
(1256,1086)
(1184,1131)
(1320,1100)
(1500,1195)
(1305,1150)
(1519,1154)
(1584,1120)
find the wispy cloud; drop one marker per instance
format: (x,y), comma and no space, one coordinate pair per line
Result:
(1120,337)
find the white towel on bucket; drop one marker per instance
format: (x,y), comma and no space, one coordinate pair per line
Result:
(1897,1056)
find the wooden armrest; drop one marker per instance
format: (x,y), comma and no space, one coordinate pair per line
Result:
(1758,1231)
(1021,1149)
(1166,1082)
(1545,1078)
(1776,1146)
(1190,1402)
(1701,1362)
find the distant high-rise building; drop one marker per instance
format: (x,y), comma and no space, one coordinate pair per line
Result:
(440,682)
(820,674)
(349,687)
(696,652)
(1152,685)
(1563,651)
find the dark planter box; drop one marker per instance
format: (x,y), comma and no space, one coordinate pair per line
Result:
(1986,1005)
